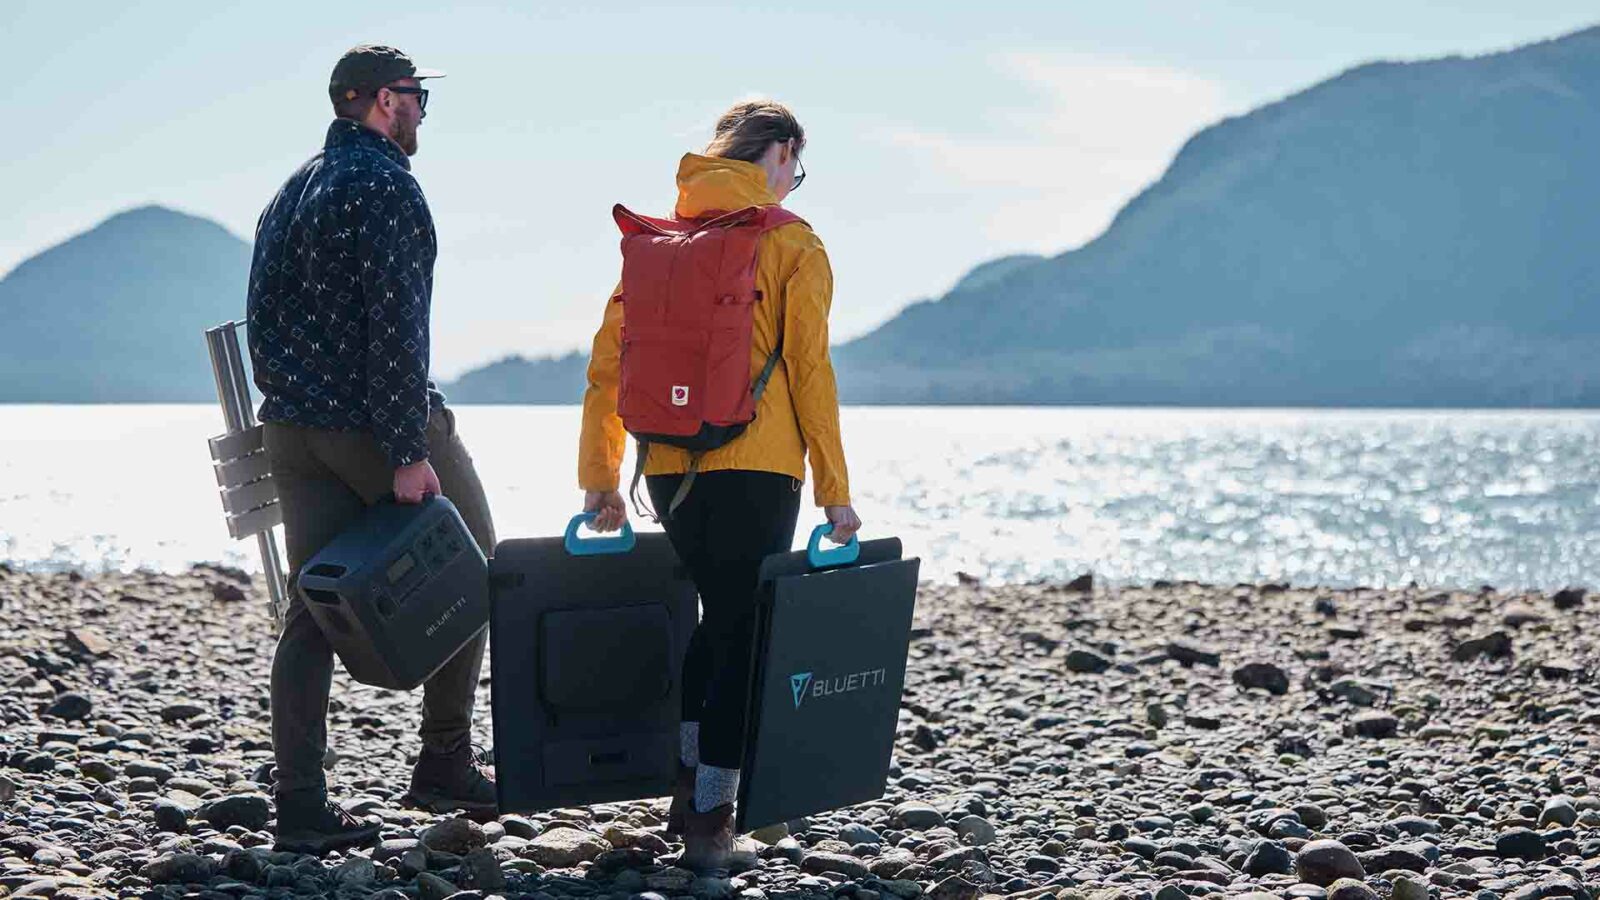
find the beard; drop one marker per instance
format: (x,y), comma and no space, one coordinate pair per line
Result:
(404,132)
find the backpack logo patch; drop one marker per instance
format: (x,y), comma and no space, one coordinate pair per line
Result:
(680,395)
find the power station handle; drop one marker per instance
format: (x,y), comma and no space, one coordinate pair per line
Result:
(821,559)
(577,546)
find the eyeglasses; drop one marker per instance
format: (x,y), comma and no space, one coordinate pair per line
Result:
(799,176)
(422,95)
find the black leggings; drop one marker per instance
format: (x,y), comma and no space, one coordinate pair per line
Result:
(725,527)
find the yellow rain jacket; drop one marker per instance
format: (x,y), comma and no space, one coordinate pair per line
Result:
(799,412)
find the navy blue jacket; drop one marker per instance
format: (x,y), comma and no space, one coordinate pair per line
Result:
(340,288)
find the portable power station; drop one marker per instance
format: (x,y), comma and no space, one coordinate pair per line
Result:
(399,592)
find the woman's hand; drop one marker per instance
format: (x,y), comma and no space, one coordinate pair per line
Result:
(845,523)
(612,510)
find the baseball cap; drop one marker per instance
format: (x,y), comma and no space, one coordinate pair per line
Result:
(367,67)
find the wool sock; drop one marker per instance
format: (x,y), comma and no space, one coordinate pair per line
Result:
(714,786)
(689,743)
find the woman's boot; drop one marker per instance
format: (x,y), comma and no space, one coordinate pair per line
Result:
(708,840)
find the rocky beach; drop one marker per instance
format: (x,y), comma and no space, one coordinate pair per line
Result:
(1073,741)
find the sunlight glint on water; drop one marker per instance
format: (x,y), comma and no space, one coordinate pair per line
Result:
(1377,498)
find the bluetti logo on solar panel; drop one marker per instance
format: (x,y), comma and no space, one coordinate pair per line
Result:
(797,683)
(804,684)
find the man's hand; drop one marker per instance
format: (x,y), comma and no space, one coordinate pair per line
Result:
(612,511)
(412,482)
(845,523)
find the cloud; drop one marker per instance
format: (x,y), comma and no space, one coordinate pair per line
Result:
(1053,174)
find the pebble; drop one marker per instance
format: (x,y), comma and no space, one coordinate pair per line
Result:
(1164,774)
(1324,862)
(1262,676)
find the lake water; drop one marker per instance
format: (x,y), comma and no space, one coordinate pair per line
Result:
(1452,499)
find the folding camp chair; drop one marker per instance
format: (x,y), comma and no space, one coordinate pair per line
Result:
(244,478)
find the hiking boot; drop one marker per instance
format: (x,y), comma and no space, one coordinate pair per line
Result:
(682,799)
(308,823)
(459,781)
(710,847)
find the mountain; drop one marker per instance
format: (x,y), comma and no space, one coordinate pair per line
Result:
(517,379)
(116,313)
(1404,234)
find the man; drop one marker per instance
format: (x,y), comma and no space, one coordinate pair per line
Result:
(339,298)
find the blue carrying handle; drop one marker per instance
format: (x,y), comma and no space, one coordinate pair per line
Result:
(577,546)
(821,558)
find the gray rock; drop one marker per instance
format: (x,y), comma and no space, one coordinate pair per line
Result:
(355,871)
(1323,862)
(1355,691)
(955,888)
(482,870)
(152,770)
(413,861)
(180,710)
(976,829)
(1350,889)
(169,816)
(817,862)
(1268,858)
(1520,843)
(432,887)
(71,707)
(1191,653)
(561,847)
(458,836)
(1409,889)
(1263,676)
(1087,662)
(916,815)
(179,868)
(250,811)
(1568,599)
(856,833)
(1374,724)
(1416,826)
(1393,857)
(518,826)
(1559,810)
(1494,645)
(393,848)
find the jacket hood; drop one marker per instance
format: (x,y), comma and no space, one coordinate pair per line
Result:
(713,184)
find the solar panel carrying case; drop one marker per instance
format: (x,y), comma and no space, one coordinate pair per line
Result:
(833,632)
(586,648)
(398,593)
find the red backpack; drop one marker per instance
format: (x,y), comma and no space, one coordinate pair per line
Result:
(688,308)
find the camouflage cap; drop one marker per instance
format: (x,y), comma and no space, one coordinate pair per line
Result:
(366,68)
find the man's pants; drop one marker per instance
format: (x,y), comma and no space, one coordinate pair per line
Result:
(325,480)
(729,522)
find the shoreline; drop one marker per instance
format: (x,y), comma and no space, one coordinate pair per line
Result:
(1145,743)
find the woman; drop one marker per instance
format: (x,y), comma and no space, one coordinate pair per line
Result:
(744,498)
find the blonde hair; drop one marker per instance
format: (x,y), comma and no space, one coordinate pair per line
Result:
(748,129)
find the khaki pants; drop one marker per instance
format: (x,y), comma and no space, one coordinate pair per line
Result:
(325,479)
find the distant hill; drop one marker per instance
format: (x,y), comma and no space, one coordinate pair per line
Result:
(1409,234)
(517,379)
(116,313)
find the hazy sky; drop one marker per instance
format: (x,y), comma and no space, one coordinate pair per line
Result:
(941,134)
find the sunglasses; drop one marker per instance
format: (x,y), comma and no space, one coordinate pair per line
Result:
(800,174)
(421,94)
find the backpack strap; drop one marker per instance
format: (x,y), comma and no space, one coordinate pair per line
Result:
(677,498)
(633,490)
